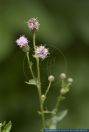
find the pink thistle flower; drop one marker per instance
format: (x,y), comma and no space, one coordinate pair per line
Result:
(41,52)
(33,24)
(22,41)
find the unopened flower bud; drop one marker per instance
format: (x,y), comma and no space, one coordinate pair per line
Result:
(64,91)
(70,80)
(51,78)
(63,76)
(43,97)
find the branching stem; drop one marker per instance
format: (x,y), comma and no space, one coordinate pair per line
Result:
(49,85)
(39,86)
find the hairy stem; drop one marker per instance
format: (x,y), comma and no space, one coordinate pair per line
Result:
(30,65)
(34,37)
(39,86)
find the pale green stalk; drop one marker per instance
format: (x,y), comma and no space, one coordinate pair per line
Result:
(59,97)
(63,84)
(39,86)
(49,85)
(57,104)
(30,65)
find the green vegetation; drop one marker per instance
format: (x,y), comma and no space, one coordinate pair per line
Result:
(64,27)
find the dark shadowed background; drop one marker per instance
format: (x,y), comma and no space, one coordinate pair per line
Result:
(64,28)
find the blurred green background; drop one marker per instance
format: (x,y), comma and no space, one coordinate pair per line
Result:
(64,26)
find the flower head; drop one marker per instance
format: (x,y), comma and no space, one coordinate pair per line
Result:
(41,52)
(22,41)
(33,24)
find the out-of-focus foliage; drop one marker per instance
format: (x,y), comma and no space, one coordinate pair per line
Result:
(5,127)
(64,25)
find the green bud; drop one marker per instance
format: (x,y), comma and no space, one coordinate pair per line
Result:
(63,76)
(51,78)
(26,48)
(43,97)
(70,80)
(64,91)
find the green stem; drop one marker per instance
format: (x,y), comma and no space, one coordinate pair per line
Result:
(39,91)
(48,88)
(57,104)
(30,65)
(38,72)
(39,86)
(59,98)
(43,115)
(34,37)
(63,84)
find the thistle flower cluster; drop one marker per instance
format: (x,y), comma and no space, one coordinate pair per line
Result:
(22,41)
(41,52)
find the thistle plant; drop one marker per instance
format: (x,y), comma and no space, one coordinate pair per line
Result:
(41,53)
